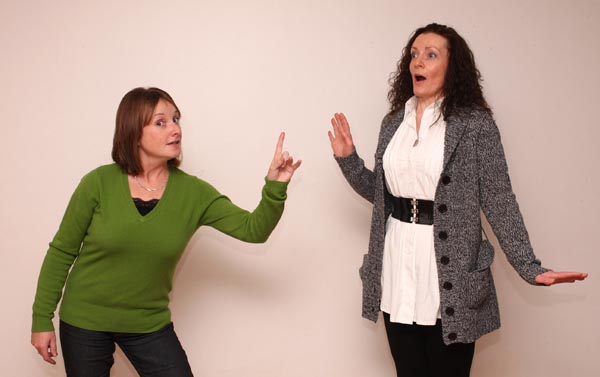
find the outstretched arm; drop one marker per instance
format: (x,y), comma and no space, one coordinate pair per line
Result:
(255,226)
(501,208)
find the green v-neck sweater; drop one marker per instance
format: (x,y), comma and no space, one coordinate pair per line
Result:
(121,263)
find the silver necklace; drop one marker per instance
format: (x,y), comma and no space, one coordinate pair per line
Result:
(150,189)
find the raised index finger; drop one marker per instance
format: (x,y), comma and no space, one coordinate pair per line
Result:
(279,147)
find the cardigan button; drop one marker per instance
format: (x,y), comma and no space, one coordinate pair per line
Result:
(442,208)
(452,336)
(447,286)
(445,260)
(443,235)
(450,311)
(445,179)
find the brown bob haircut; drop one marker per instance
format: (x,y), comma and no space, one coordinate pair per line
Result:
(134,112)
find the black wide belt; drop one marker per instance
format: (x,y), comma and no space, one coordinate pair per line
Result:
(414,211)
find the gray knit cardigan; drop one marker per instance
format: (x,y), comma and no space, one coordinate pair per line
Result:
(474,176)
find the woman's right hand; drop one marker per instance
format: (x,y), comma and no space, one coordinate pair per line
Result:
(341,138)
(45,344)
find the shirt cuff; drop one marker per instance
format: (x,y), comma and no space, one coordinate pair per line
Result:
(275,189)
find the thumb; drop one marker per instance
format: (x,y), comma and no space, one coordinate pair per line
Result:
(53,350)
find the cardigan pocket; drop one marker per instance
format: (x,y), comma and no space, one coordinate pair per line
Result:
(479,281)
(364,268)
(370,281)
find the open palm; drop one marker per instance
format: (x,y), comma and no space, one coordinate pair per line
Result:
(341,138)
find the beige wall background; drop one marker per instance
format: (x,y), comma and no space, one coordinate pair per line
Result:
(241,71)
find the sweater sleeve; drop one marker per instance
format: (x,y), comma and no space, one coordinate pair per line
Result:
(63,251)
(499,203)
(255,226)
(361,179)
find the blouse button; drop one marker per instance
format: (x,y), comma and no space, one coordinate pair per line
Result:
(452,336)
(447,286)
(443,235)
(442,208)
(446,179)
(450,311)
(445,260)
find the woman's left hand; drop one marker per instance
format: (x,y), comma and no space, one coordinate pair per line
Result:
(552,277)
(282,167)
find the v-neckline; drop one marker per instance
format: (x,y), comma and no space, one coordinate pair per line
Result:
(131,204)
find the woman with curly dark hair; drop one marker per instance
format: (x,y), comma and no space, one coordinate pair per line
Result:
(439,161)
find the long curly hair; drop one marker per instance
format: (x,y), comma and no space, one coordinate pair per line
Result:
(462,85)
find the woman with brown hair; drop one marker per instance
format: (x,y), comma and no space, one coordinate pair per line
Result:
(439,161)
(120,239)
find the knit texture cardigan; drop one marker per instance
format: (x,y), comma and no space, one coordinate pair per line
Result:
(474,177)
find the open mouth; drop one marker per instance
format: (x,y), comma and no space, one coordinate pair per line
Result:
(174,142)
(419,78)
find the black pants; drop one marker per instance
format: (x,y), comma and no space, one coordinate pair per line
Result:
(419,351)
(89,353)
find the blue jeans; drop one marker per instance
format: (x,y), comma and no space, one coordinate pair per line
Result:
(89,353)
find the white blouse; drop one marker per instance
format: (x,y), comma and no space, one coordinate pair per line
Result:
(412,163)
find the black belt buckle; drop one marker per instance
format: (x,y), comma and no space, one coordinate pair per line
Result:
(414,218)
(415,211)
